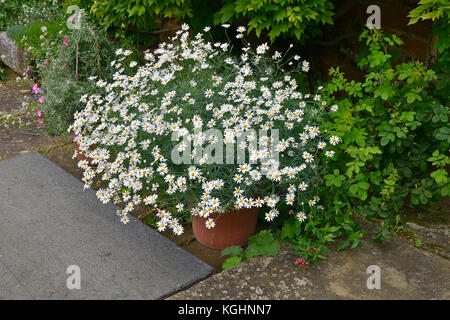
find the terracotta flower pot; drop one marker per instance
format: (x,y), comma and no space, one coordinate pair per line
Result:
(232,228)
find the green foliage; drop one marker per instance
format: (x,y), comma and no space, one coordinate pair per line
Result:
(3,75)
(65,79)
(231,262)
(390,124)
(418,243)
(430,9)
(232,251)
(311,237)
(261,244)
(140,14)
(32,38)
(11,11)
(441,29)
(438,12)
(26,11)
(299,19)
(440,174)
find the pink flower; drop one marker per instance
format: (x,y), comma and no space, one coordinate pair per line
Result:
(47,63)
(36,88)
(39,113)
(70,19)
(40,121)
(41,99)
(65,65)
(66,42)
(301,263)
(28,69)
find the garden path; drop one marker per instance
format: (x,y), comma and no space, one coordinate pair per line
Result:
(53,233)
(406,272)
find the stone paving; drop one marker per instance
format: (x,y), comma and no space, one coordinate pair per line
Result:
(406,273)
(48,223)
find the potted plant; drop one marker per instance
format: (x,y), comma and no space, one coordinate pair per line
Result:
(202,135)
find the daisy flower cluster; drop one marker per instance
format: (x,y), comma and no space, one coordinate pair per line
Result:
(203,93)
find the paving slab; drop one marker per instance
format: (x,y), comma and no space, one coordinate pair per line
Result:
(405,273)
(48,223)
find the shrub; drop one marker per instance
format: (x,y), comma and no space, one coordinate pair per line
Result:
(139,14)
(438,12)
(132,126)
(296,19)
(287,18)
(26,11)
(392,125)
(430,9)
(79,55)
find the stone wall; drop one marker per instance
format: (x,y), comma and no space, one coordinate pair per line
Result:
(11,55)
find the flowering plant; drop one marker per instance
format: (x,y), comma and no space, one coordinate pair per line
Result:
(64,58)
(132,129)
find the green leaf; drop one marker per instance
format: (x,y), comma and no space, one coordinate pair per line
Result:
(440,176)
(262,244)
(231,262)
(232,251)
(343,245)
(362,195)
(354,189)
(384,141)
(364,185)
(445,191)
(418,243)
(289,230)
